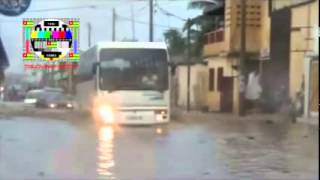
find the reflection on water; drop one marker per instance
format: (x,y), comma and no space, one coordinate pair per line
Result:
(159,131)
(105,153)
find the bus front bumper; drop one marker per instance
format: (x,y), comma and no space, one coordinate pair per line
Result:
(135,116)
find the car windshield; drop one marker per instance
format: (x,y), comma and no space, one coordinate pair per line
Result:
(55,96)
(133,69)
(33,95)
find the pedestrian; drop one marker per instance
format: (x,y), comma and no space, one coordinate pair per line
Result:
(253,90)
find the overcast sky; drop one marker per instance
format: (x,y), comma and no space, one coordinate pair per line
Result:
(100,18)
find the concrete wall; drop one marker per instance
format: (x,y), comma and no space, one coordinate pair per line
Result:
(265,25)
(304,19)
(311,87)
(214,97)
(314,87)
(253,26)
(215,48)
(198,86)
(279,4)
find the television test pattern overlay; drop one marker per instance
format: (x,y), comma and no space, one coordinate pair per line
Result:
(48,42)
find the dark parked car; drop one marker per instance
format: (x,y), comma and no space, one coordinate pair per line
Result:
(55,100)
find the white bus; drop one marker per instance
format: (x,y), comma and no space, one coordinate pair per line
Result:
(125,82)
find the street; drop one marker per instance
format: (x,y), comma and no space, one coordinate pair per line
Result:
(159,89)
(38,148)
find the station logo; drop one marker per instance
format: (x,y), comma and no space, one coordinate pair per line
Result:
(50,42)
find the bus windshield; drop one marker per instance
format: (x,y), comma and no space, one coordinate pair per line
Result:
(133,69)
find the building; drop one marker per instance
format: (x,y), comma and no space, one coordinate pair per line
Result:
(293,24)
(311,87)
(296,44)
(198,85)
(222,50)
(281,36)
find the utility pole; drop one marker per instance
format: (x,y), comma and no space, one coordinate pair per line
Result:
(114,18)
(133,23)
(89,34)
(242,68)
(188,64)
(151,21)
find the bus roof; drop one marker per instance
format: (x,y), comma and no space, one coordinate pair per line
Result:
(132,45)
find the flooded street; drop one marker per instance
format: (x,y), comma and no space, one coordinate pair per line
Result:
(159,89)
(55,149)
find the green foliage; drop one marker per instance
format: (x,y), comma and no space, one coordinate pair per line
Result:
(198,26)
(176,42)
(204,23)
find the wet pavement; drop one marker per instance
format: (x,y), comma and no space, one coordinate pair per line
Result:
(55,149)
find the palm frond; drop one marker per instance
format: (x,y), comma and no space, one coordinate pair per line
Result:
(198,20)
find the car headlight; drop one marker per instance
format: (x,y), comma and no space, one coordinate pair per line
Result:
(52,105)
(30,101)
(69,105)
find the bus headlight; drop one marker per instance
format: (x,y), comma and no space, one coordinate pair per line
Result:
(106,114)
(161,115)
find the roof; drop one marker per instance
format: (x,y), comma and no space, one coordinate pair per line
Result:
(191,63)
(35,91)
(53,89)
(183,60)
(133,45)
(217,9)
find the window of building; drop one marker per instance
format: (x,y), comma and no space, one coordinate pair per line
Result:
(220,79)
(211,79)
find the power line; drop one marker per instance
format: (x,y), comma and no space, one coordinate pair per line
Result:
(96,6)
(167,13)
(90,6)
(119,17)
(141,9)
(142,22)
(63,9)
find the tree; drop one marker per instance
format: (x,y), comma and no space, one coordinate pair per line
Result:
(205,23)
(176,42)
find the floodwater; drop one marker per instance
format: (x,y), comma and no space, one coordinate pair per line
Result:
(56,149)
